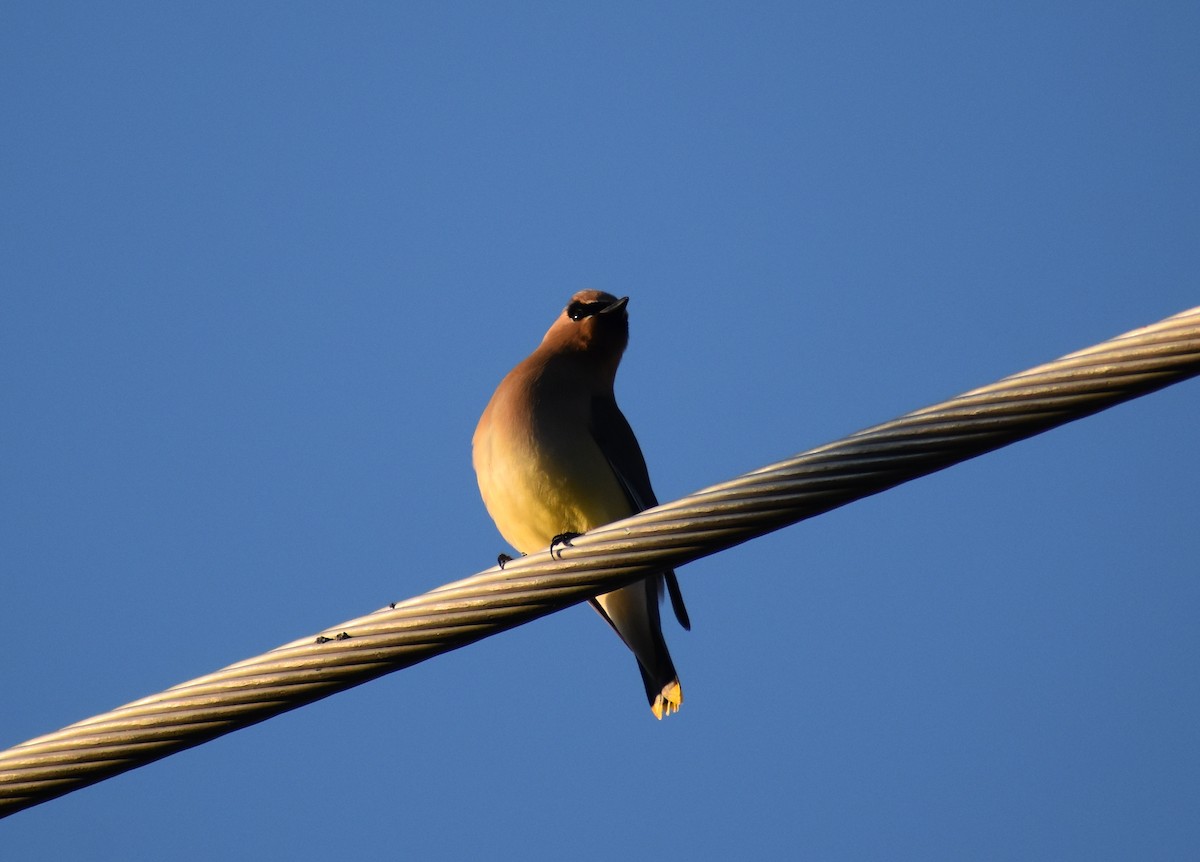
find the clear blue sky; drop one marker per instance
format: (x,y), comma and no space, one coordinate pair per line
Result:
(262,265)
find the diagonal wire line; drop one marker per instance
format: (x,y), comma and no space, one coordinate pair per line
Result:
(669,535)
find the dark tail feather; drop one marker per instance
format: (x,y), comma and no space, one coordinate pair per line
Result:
(677,605)
(664,698)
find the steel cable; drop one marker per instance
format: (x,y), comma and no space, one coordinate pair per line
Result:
(669,535)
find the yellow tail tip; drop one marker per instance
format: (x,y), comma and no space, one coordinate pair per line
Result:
(668,700)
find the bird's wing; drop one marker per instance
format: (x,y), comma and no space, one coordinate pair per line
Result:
(616,440)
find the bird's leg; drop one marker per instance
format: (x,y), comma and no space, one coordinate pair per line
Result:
(562,539)
(502,559)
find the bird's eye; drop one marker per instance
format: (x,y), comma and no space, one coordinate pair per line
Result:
(579,310)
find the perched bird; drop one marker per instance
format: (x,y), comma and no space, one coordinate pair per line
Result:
(555,457)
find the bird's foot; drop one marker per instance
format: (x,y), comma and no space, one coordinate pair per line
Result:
(502,559)
(563,539)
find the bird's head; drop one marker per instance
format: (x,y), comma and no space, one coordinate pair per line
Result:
(594,323)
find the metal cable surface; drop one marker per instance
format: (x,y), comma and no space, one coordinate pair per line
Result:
(669,535)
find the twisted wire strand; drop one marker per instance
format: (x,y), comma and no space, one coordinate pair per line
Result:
(718,517)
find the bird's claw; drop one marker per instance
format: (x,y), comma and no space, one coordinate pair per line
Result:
(502,559)
(563,539)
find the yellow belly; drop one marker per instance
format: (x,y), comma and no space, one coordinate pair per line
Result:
(533,496)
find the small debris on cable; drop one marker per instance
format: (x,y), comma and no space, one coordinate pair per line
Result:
(341,636)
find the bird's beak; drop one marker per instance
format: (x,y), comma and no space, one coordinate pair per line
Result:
(616,306)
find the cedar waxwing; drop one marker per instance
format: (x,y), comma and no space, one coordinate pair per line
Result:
(554,456)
